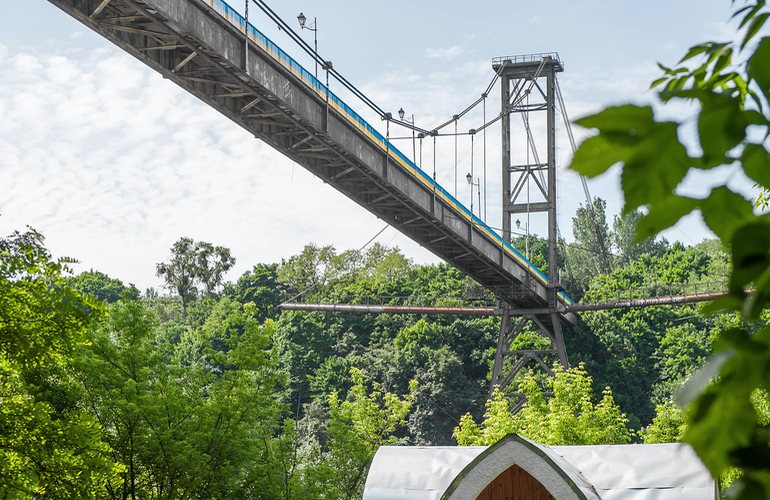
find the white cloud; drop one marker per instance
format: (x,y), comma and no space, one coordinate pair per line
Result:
(113,164)
(537,19)
(445,53)
(25,65)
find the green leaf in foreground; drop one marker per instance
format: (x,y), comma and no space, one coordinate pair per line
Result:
(759,68)
(663,215)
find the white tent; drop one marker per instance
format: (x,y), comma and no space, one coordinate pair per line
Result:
(611,472)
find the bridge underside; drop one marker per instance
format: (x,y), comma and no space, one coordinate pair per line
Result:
(192,45)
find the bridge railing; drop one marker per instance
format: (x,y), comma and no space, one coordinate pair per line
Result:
(528,58)
(704,288)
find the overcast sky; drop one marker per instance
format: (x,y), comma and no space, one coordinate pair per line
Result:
(113,164)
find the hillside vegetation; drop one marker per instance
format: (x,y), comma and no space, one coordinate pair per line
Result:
(210,391)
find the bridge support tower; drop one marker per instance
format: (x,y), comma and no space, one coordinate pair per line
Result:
(528,85)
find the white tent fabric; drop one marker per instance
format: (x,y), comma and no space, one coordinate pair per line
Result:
(642,471)
(609,472)
(416,472)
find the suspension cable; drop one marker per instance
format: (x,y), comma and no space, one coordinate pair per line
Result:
(420,165)
(387,144)
(573,145)
(586,192)
(316,57)
(434,170)
(472,134)
(456,156)
(485,156)
(473,105)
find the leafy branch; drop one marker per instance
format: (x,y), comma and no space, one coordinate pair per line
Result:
(730,82)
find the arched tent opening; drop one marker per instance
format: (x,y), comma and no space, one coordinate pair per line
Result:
(515,481)
(517,467)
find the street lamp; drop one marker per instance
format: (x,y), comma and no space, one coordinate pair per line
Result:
(526,235)
(314,28)
(402,117)
(471,184)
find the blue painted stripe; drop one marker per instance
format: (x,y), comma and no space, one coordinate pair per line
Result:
(234,18)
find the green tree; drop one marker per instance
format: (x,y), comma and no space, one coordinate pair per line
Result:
(668,426)
(315,268)
(194,418)
(730,83)
(102,287)
(624,238)
(569,417)
(589,256)
(682,350)
(357,427)
(259,285)
(212,262)
(385,265)
(644,353)
(449,362)
(179,273)
(114,371)
(49,447)
(498,422)
(235,429)
(192,263)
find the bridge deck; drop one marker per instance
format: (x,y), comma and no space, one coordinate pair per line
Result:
(200,45)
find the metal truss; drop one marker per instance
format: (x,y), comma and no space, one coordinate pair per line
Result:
(509,362)
(528,84)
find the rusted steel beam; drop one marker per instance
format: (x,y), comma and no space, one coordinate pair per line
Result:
(385,309)
(670,300)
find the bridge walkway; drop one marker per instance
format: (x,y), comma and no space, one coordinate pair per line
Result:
(201,46)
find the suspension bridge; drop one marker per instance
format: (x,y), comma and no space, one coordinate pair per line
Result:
(212,51)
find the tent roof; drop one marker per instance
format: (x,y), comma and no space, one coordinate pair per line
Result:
(634,472)
(646,471)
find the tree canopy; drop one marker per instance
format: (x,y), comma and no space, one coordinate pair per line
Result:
(193,264)
(244,400)
(569,417)
(49,446)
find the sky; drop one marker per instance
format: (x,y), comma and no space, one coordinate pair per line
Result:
(112,163)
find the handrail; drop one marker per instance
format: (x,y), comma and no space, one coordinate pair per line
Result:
(525,58)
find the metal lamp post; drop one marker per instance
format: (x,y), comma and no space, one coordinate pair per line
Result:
(402,117)
(314,28)
(471,184)
(526,235)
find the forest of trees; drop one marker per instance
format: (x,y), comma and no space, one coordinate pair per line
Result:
(211,391)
